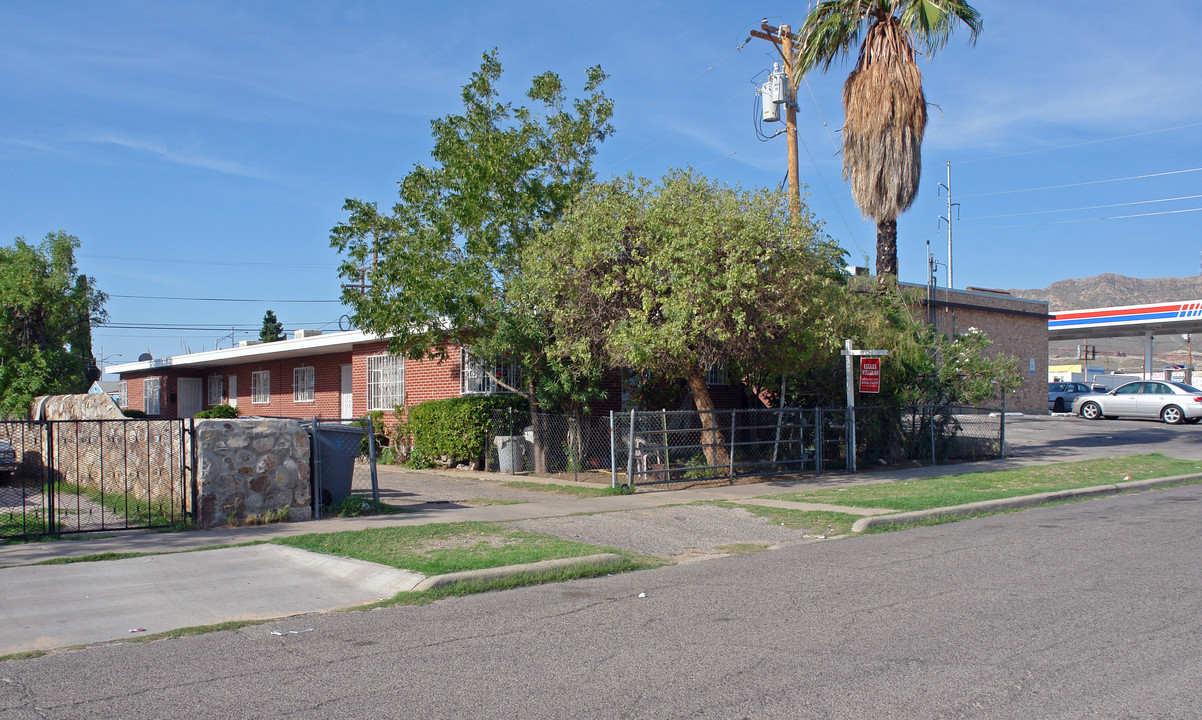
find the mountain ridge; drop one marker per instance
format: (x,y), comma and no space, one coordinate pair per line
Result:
(1111,289)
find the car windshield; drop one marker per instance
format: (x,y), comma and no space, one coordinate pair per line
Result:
(1188,388)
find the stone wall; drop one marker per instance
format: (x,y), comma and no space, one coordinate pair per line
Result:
(251,466)
(76,407)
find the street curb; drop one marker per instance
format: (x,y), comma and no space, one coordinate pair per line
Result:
(598,561)
(1023,501)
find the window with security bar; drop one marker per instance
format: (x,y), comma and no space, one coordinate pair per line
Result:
(123,399)
(215,388)
(150,396)
(260,387)
(474,380)
(385,382)
(302,384)
(716,375)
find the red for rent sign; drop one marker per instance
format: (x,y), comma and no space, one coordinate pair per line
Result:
(870,374)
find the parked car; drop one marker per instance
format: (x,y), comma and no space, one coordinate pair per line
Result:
(8,459)
(1062,394)
(1173,402)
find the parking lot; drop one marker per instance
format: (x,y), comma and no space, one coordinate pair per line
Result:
(1067,437)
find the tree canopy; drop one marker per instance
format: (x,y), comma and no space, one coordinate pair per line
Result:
(438,268)
(47,310)
(685,275)
(272,330)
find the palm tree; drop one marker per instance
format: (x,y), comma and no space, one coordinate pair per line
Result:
(885,111)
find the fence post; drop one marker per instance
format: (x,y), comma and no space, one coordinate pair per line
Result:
(630,454)
(817,441)
(315,458)
(194,486)
(371,459)
(613,453)
(667,459)
(51,484)
(932,410)
(1002,429)
(731,458)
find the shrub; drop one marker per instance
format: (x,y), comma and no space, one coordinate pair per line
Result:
(133,413)
(378,428)
(217,411)
(455,429)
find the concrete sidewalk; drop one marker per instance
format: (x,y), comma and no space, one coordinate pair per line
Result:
(46,606)
(49,606)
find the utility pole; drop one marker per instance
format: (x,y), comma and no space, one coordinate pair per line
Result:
(782,38)
(948,220)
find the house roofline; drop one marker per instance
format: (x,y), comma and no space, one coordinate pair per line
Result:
(320,345)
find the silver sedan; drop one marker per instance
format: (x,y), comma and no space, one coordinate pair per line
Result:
(1172,402)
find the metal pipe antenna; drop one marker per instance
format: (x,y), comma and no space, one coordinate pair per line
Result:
(948,220)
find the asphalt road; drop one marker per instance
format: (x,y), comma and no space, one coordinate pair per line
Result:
(1081,610)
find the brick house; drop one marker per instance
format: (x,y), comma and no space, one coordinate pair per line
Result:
(329,375)
(314,374)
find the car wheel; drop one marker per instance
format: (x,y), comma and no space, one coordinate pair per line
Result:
(1091,411)
(1059,406)
(1172,415)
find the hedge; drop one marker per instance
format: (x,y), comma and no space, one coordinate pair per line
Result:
(456,428)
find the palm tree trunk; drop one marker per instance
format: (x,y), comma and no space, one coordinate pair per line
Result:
(886,248)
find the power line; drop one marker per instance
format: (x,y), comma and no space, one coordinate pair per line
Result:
(1080,144)
(205,299)
(1079,184)
(211,263)
(1081,220)
(1089,207)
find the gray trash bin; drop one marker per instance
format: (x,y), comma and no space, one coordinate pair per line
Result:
(335,448)
(511,452)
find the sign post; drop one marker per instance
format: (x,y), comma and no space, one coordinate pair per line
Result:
(848,353)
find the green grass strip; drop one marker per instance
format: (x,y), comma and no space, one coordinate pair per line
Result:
(442,548)
(948,490)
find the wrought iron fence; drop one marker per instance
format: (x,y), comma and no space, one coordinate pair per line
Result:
(75,476)
(660,447)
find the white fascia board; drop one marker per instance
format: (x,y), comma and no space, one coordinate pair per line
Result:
(320,345)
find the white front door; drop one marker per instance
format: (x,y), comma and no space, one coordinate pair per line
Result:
(233,396)
(346,407)
(189,397)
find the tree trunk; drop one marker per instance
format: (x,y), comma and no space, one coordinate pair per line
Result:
(539,446)
(712,438)
(886,249)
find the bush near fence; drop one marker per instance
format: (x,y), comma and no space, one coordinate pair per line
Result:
(455,430)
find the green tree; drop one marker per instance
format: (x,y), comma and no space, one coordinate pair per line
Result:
(272,330)
(438,268)
(884,108)
(47,310)
(680,277)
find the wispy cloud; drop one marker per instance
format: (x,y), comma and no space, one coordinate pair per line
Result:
(162,150)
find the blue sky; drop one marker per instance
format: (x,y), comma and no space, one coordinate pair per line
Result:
(204,150)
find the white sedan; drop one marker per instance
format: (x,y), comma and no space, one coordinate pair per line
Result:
(1172,402)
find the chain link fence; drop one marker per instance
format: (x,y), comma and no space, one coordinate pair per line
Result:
(661,447)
